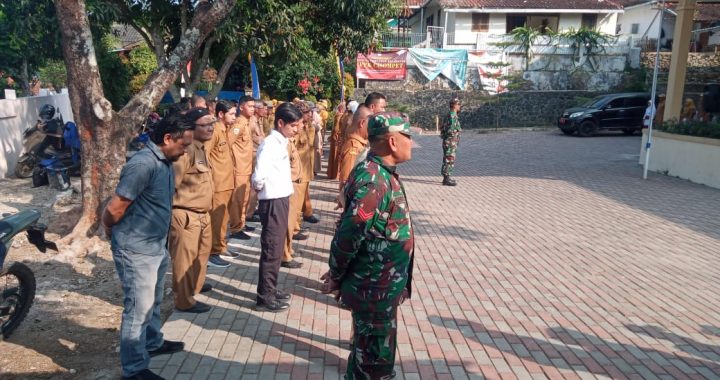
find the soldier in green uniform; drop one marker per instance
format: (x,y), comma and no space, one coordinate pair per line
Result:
(450,134)
(371,255)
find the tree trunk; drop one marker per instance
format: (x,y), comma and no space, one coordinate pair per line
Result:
(103,132)
(222,74)
(25,77)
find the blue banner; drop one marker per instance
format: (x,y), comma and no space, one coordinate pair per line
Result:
(450,63)
(255,80)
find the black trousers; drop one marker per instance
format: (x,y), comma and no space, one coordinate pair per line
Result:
(274,219)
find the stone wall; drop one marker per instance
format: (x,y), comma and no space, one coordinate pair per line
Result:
(517,109)
(710,61)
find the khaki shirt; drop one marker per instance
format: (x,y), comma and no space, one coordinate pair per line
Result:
(268,124)
(294,162)
(349,152)
(256,130)
(220,158)
(304,144)
(240,139)
(193,180)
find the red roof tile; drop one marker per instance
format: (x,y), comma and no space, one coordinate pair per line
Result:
(533,4)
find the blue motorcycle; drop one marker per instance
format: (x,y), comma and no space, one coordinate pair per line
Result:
(17,281)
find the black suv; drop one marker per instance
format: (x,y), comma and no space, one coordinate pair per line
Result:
(610,112)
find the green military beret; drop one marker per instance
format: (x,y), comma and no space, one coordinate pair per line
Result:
(386,122)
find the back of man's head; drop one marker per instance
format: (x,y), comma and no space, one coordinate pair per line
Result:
(360,115)
(174,125)
(373,98)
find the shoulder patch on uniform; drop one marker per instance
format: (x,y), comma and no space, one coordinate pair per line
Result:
(364,215)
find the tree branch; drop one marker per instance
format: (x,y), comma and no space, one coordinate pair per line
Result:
(222,74)
(200,64)
(207,17)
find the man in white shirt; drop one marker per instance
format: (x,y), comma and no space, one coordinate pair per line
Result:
(273,183)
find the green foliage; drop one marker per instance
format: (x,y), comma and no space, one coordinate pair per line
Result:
(349,26)
(29,36)
(635,80)
(281,75)
(53,72)
(141,64)
(524,37)
(114,72)
(349,82)
(692,128)
(588,42)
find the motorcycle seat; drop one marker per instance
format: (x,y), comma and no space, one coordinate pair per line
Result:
(12,225)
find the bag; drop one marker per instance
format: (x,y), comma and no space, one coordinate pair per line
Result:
(39,177)
(58,178)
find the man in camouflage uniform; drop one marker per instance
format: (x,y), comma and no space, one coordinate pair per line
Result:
(371,255)
(450,134)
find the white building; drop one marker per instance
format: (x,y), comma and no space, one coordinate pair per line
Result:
(464,23)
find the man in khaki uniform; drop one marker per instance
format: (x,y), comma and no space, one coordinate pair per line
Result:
(240,139)
(309,156)
(294,208)
(356,141)
(220,158)
(269,121)
(303,144)
(190,237)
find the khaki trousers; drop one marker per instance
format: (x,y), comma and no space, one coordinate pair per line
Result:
(238,205)
(219,219)
(190,239)
(303,189)
(307,209)
(252,202)
(293,226)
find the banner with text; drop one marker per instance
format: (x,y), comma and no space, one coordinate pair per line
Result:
(382,66)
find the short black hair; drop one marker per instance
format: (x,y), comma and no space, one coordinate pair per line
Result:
(174,125)
(288,113)
(244,99)
(223,106)
(373,98)
(186,102)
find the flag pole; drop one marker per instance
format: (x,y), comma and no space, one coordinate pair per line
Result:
(648,145)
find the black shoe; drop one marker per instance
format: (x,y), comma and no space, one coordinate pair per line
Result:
(273,307)
(291,264)
(145,374)
(282,296)
(249,228)
(240,235)
(447,181)
(168,347)
(311,219)
(206,288)
(198,308)
(232,255)
(216,262)
(299,236)
(253,218)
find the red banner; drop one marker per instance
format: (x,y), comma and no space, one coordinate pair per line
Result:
(382,66)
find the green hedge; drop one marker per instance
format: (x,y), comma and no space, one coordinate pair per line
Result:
(692,128)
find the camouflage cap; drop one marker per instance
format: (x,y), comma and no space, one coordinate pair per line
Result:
(303,107)
(387,122)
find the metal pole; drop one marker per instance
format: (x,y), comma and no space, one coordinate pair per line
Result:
(648,145)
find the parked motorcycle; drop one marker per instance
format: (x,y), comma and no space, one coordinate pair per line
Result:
(17,281)
(49,139)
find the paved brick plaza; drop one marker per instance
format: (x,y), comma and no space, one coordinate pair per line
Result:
(551,259)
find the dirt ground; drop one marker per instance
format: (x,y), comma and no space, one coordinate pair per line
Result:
(72,329)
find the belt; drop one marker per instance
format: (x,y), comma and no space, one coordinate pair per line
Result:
(190,210)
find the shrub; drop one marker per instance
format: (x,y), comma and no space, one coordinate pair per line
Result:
(692,128)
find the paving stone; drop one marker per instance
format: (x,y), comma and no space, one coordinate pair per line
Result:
(552,258)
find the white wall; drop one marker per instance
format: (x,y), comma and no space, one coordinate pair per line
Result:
(18,114)
(687,157)
(607,22)
(570,21)
(648,24)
